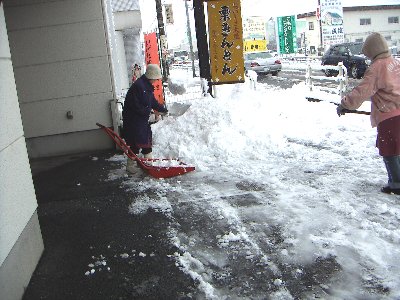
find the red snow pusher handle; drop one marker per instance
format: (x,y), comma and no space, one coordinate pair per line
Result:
(156,167)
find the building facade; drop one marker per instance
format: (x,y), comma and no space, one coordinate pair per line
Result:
(62,65)
(358,23)
(362,20)
(21,242)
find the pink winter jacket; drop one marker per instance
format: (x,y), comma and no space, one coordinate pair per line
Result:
(381,84)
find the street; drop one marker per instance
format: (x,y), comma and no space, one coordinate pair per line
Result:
(289,77)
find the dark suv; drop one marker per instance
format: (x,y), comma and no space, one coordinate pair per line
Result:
(351,56)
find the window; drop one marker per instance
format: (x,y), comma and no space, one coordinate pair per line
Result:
(335,51)
(310,25)
(359,40)
(365,21)
(253,56)
(342,50)
(388,38)
(393,20)
(355,48)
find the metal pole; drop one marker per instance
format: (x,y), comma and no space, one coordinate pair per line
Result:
(202,41)
(189,33)
(320,24)
(163,40)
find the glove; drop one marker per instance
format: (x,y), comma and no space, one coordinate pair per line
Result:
(163,113)
(340,110)
(154,118)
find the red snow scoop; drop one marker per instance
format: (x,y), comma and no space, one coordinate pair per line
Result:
(156,167)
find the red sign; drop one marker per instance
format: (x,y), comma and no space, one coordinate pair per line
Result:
(152,57)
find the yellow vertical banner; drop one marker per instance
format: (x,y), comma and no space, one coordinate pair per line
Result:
(152,57)
(226,41)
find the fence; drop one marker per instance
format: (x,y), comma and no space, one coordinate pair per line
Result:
(300,59)
(342,77)
(303,58)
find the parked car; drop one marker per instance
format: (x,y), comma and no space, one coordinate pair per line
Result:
(262,62)
(351,56)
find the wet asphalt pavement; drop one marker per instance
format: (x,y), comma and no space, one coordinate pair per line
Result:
(95,249)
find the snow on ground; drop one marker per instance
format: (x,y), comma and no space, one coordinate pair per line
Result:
(284,201)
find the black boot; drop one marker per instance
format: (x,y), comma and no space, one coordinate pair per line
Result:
(388,190)
(392,164)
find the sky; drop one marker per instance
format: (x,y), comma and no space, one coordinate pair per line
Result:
(264,8)
(178,32)
(284,190)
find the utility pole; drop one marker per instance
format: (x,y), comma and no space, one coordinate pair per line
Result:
(163,40)
(202,41)
(189,33)
(320,25)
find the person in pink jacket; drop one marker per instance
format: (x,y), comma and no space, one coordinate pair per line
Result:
(381,85)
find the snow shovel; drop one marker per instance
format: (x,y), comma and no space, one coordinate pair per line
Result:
(345,110)
(174,110)
(156,167)
(177,109)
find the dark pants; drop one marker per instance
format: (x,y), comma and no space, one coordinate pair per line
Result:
(392,164)
(144,150)
(388,138)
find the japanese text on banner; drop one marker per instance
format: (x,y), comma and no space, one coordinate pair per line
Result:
(226,41)
(331,22)
(287,34)
(151,57)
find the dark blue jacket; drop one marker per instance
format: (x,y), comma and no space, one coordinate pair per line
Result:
(139,102)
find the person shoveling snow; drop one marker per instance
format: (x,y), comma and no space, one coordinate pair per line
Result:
(381,83)
(139,102)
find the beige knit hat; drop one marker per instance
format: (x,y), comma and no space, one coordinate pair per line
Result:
(375,46)
(153,71)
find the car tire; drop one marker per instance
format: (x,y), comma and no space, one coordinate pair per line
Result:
(354,71)
(328,72)
(275,73)
(260,76)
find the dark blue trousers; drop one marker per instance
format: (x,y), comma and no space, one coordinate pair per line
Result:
(392,164)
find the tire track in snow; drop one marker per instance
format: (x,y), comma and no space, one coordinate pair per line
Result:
(357,209)
(216,249)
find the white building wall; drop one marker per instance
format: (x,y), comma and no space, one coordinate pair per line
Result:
(128,25)
(313,36)
(122,75)
(379,20)
(128,28)
(379,23)
(354,31)
(20,238)
(62,64)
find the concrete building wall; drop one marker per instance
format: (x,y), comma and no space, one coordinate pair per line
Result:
(123,74)
(128,25)
(312,33)
(133,51)
(57,79)
(63,73)
(21,242)
(379,23)
(353,31)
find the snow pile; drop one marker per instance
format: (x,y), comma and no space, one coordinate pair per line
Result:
(243,123)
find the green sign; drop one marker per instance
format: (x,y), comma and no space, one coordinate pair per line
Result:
(287,34)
